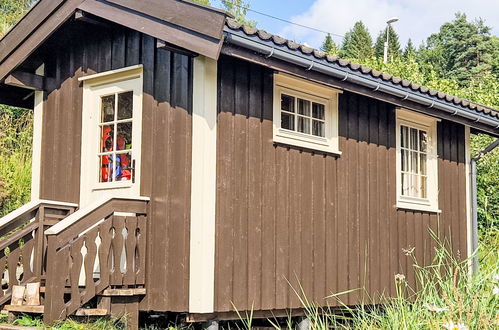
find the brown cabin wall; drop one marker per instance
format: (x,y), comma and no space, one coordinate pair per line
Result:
(166,149)
(325,222)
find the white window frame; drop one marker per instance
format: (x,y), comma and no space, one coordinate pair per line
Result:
(429,124)
(95,86)
(299,88)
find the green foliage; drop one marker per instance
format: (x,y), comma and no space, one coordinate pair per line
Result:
(238,9)
(328,46)
(445,293)
(410,50)
(15,159)
(203,2)
(462,50)
(393,44)
(357,43)
(11,11)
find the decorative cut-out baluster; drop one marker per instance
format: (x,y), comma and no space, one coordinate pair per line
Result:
(130,243)
(27,253)
(105,255)
(118,224)
(90,262)
(141,245)
(76,270)
(12,262)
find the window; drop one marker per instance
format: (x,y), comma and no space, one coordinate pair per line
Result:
(116,128)
(417,184)
(111,137)
(305,114)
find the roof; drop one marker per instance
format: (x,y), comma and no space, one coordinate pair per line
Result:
(185,24)
(334,61)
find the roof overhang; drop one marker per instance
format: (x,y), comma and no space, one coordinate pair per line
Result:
(187,25)
(279,56)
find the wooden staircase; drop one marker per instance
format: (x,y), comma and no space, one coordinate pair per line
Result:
(60,262)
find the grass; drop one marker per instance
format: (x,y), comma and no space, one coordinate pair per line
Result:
(15,160)
(448,296)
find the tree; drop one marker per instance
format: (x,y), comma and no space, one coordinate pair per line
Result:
(238,9)
(393,43)
(11,11)
(357,43)
(463,50)
(328,46)
(410,50)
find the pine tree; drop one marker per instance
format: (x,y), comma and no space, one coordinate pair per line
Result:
(238,9)
(357,43)
(328,46)
(410,50)
(393,43)
(463,50)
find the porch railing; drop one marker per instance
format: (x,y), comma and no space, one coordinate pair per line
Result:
(101,246)
(23,243)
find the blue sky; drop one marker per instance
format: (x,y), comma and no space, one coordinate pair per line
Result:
(418,18)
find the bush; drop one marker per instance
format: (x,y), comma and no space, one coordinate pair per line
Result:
(16,130)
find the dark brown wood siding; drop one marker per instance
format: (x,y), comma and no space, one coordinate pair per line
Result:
(166,164)
(293,218)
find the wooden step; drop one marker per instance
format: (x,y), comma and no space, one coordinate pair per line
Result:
(17,327)
(91,312)
(123,292)
(38,309)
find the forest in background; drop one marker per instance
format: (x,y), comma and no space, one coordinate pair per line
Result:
(461,59)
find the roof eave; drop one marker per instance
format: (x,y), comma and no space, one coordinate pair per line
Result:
(309,62)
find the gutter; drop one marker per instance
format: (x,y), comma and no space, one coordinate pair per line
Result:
(474,199)
(309,62)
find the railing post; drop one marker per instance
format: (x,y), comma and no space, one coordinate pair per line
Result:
(54,286)
(38,259)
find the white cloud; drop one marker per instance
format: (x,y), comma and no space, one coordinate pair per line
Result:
(418,18)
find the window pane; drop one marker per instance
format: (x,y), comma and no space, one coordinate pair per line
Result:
(414,139)
(405,184)
(107,137)
(287,121)
(423,190)
(123,167)
(405,160)
(318,111)
(422,141)
(414,186)
(287,103)
(106,168)
(304,125)
(422,163)
(318,128)
(304,107)
(125,105)
(404,132)
(414,162)
(124,136)
(107,108)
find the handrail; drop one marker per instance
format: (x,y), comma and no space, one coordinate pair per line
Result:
(78,215)
(23,251)
(98,246)
(27,211)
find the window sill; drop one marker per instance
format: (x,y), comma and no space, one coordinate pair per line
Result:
(417,207)
(302,142)
(113,185)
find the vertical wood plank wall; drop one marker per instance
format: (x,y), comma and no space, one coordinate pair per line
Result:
(289,217)
(166,149)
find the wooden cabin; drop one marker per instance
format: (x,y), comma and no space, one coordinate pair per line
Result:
(184,163)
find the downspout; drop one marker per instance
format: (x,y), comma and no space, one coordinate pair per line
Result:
(474,197)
